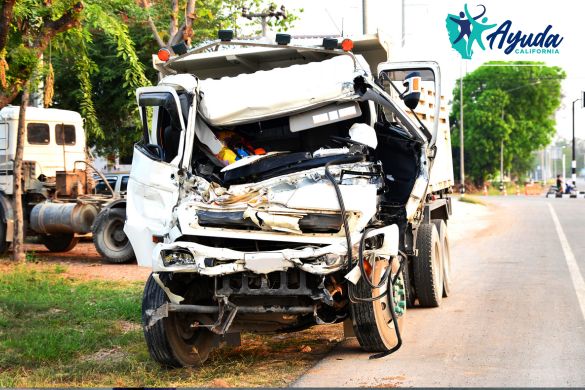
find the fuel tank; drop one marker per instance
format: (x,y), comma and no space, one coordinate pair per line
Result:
(59,218)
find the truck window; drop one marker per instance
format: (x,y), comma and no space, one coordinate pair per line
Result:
(124,183)
(167,122)
(38,134)
(101,188)
(65,134)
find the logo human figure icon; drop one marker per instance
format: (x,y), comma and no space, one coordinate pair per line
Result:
(465,24)
(468,30)
(477,30)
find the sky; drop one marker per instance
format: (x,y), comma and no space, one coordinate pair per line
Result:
(426,36)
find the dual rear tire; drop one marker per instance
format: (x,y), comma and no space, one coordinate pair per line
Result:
(432,266)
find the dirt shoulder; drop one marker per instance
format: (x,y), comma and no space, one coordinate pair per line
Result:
(82,262)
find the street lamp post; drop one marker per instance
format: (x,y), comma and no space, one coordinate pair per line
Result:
(574,160)
(461,142)
(365,24)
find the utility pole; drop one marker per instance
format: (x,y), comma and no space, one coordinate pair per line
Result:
(461,140)
(271,12)
(502,166)
(564,168)
(403,41)
(365,16)
(574,159)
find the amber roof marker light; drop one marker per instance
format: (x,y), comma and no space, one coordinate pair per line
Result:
(164,54)
(347,44)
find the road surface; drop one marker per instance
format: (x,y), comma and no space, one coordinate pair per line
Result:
(516,316)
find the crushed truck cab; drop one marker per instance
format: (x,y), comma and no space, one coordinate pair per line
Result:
(281,186)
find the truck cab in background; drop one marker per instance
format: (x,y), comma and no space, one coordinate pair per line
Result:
(281,185)
(58,189)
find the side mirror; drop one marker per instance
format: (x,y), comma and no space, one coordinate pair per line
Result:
(411,96)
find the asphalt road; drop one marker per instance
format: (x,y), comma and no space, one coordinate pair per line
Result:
(516,316)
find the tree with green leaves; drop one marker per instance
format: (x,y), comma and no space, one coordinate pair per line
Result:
(29,31)
(506,102)
(152,24)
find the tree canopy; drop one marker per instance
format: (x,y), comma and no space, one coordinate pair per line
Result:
(96,53)
(509,102)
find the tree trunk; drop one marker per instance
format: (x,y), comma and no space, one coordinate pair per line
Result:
(174,26)
(145,4)
(18,241)
(189,18)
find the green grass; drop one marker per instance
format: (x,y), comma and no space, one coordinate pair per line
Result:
(61,332)
(471,199)
(31,257)
(45,318)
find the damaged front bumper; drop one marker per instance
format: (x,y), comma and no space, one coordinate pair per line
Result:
(184,256)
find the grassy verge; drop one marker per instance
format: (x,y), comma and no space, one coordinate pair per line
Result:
(471,199)
(61,332)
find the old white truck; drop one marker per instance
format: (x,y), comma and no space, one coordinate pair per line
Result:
(281,185)
(59,203)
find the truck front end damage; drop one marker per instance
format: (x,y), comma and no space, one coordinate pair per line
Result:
(284,199)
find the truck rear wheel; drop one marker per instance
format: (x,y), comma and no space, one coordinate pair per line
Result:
(428,266)
(109,238)
(444,238)
(372,321)
(59,242)
(173,341)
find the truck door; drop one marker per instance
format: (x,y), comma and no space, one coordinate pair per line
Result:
(416,85)
(158,161)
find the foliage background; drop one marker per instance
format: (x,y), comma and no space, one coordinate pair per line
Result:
(513,102)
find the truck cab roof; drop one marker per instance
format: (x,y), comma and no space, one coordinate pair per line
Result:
(219,59)
(40,114)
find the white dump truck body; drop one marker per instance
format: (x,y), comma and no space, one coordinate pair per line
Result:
(260,84)
(270,177)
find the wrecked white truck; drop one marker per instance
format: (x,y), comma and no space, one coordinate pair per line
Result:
(280,186)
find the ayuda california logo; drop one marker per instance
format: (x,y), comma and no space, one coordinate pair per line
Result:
(466,31)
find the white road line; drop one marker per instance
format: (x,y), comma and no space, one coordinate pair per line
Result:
(576,277)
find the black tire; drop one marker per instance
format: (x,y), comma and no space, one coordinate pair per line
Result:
(372,321)
(171,341)
(409,284)
(59,242)
(428,267)
(444,238)
(4,245)
(109,238)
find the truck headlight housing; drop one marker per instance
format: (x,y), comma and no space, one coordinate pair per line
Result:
(177,257)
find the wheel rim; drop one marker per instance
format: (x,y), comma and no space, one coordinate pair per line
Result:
(114,236)
(382,313)
(191,345)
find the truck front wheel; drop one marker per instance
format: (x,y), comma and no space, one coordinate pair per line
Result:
(109,237)
(428,266)
(176,340)
(372,321)
(59,242)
